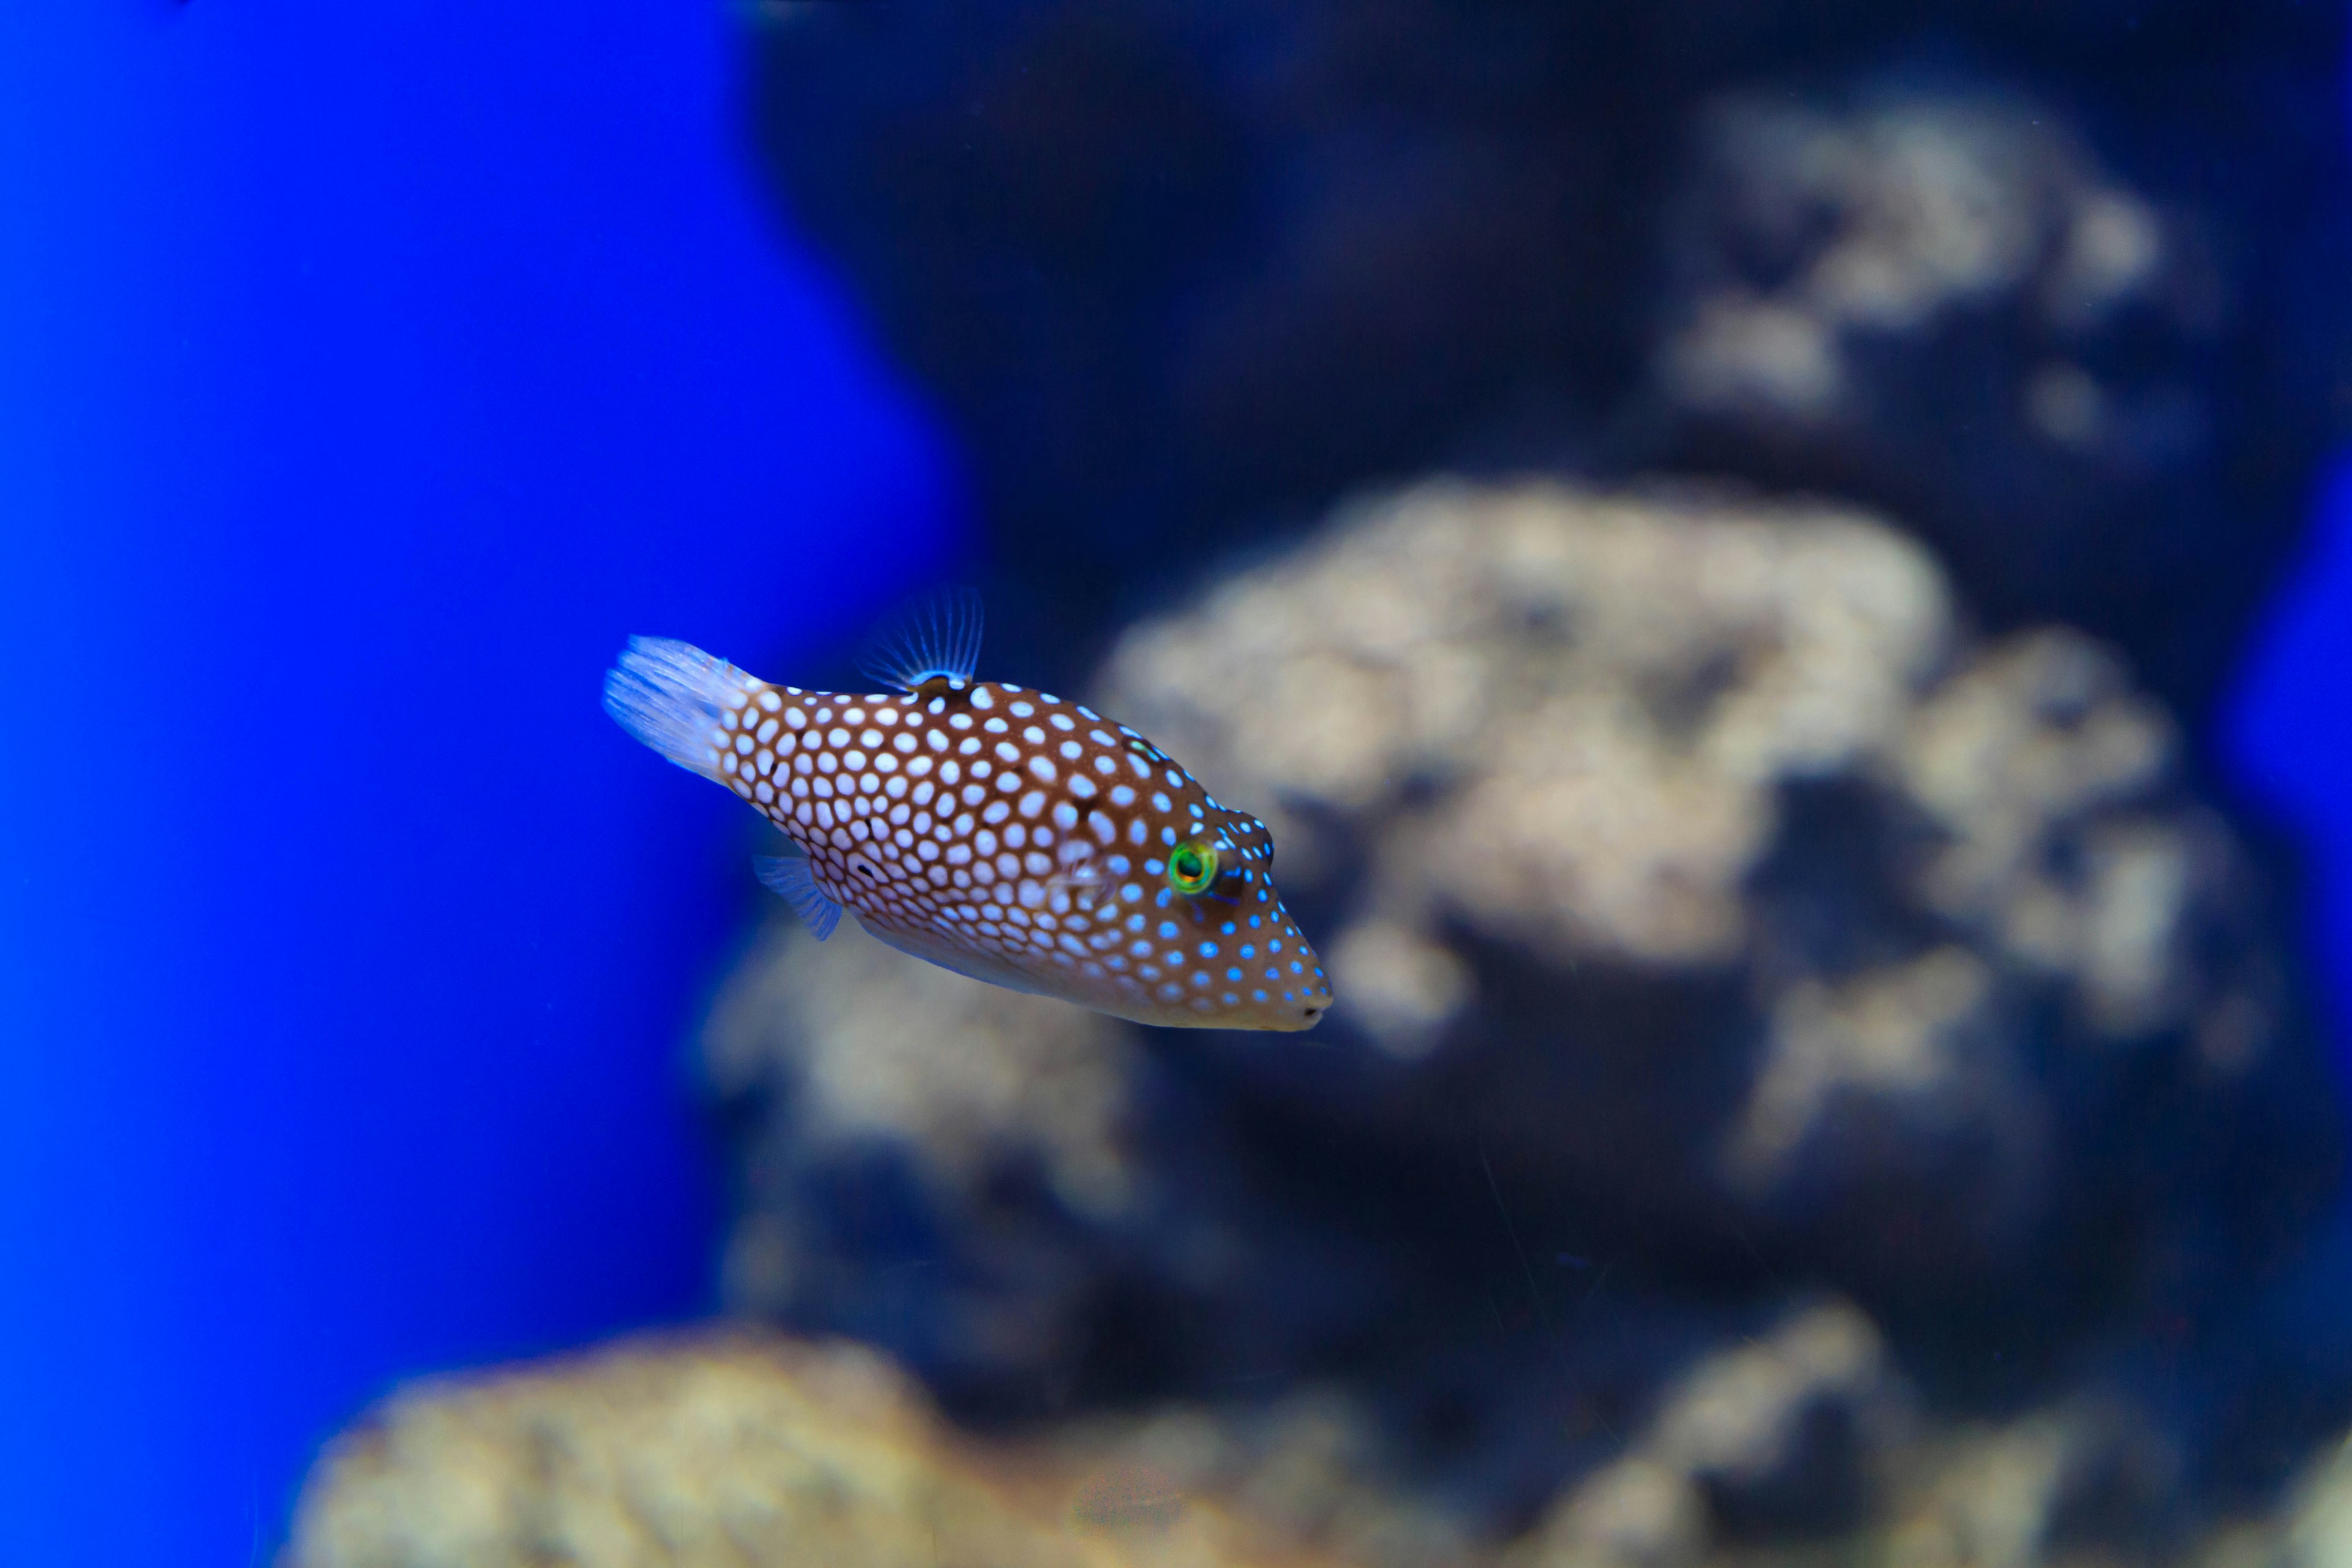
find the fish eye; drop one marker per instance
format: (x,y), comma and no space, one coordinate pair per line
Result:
(1191,867)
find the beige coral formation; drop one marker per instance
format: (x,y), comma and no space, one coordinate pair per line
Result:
(2318,1527)
(864,1047)
(738,1451)
(1302,1469)
(745,1451)
(1992,1497)
(1570,722)
(1897,211)
(1924,1034)
(1958,1496)
(1600,687)
(1734,1419)
(1563,717)
(859,1027)
(2042,734)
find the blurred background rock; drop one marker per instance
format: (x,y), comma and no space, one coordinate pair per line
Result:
(1712,533)
(2054,286)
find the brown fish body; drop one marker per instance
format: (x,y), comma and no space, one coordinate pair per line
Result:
(1002,833)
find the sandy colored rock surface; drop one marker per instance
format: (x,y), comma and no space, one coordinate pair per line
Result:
(1565,710)
(1922,205)
(1681,736)
(738,1451)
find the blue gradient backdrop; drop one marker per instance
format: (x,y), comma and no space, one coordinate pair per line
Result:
(366,373)
(2287,736)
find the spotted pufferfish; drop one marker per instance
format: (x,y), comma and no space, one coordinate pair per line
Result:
(998,832)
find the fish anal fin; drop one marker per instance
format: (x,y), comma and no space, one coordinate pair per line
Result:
(948,956)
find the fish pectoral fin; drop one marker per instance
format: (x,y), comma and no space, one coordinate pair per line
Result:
(791,878)
(936,636)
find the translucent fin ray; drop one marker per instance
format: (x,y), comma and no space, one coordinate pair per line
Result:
(938,635)
(669,694)
(790,878)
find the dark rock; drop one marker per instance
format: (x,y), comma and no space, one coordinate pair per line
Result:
(1181,276)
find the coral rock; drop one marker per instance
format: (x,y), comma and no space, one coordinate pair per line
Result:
(733,1452)
(1713,915)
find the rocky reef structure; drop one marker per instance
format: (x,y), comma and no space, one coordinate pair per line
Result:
(2054,285)
(1536,751)
(1941,298)
(1715,918)
(734,1452)
(752,1451)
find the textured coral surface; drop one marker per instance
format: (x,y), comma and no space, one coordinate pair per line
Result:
(743,1451)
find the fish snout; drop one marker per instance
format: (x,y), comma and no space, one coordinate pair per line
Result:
(1314,1002)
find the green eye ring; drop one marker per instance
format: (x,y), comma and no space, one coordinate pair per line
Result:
(1192,867)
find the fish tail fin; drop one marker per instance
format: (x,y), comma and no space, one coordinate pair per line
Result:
(671,694)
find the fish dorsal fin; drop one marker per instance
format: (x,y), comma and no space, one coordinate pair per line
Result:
(790,878)
(937,636)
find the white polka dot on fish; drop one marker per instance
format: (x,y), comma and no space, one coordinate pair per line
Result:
(998,831)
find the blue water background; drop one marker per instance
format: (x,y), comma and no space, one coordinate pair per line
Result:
(2287,737)
(366,373)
